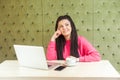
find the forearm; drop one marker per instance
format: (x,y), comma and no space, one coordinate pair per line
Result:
(91,57)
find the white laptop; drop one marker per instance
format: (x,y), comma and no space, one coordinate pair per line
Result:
(32,56)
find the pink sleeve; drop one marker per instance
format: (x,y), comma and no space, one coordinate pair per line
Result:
(51,51)
(87,52)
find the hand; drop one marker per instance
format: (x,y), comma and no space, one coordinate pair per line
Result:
(56,35)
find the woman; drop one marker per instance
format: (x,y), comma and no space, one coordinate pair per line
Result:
(65,42)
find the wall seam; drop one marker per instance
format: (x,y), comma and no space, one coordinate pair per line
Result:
(42,32)
(93,23)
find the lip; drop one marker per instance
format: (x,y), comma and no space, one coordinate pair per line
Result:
(65,31)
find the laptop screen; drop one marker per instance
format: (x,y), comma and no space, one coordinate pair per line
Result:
(31,56)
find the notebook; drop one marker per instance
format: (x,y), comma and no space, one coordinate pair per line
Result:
(32,57)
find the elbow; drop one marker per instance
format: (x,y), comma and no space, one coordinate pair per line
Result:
(97,57)
(92,58)
(50,57)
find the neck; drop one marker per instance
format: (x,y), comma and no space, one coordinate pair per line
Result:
(67,37)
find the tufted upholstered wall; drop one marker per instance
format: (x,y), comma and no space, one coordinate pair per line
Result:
(31,22)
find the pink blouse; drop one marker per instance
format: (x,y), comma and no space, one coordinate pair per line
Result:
(86,51)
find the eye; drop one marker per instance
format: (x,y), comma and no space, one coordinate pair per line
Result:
(60,26)
(66,24)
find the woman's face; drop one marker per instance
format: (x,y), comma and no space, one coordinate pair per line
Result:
(65,27)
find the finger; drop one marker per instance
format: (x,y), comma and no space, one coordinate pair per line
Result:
(58,32)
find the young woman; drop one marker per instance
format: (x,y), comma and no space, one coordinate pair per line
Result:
(65,42)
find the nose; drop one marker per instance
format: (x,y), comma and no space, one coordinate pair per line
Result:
(64,27)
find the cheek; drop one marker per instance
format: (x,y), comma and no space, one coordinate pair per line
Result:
(61,30)
(70,29)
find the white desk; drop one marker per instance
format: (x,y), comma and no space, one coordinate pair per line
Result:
(103,70)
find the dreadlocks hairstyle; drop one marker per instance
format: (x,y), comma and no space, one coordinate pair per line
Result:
(60,41)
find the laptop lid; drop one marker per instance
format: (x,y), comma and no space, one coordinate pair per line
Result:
(31,56)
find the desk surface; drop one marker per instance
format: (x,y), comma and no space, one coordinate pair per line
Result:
(11,68)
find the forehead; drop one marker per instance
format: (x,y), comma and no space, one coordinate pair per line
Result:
(63,21)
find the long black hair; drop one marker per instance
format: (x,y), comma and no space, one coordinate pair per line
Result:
(60,41)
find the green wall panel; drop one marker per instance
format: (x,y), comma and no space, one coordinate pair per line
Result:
(107,29)
(32,22)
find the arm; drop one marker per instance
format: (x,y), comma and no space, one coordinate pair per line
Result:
(87,51)
(51,51)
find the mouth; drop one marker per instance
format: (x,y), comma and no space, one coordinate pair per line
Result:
(65,31)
